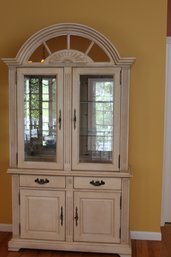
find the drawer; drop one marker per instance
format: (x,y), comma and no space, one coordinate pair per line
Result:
(42,181)
(97,183)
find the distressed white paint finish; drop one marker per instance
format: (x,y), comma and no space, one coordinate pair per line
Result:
(68,57)
(57,30)
(125,239)
(69,181)
(13,116)
(58,163)
(125,87)
(69,216)
(42,214)
(52,181)
(123,250)
(107,183)
(137,235)
(76,164)
(67,117)
(15,206)
(98,217)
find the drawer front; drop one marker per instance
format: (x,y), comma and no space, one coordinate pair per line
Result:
(42,181)
(97,183)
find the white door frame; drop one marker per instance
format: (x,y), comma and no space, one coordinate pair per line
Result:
(166,185)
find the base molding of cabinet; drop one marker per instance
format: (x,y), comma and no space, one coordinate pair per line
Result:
(123,250)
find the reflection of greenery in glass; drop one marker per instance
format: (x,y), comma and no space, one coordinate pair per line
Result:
(104,91)
(45,105)
(45,97)
(39,112)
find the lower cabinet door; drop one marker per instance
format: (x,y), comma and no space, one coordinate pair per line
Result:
(97,217)
(42,214)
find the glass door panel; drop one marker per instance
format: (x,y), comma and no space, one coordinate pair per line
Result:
(96,118)
(96,101)
(40,118)
(40,107)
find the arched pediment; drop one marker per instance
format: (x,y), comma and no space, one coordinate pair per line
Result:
(68,30)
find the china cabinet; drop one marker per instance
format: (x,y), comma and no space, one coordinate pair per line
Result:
(69,103)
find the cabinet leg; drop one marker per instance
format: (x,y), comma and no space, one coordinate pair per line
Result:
(12,246)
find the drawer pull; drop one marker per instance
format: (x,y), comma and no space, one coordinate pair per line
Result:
(97,183)
(41,181)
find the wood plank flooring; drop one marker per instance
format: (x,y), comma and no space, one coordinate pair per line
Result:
(140,248)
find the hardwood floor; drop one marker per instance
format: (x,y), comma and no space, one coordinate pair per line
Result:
(140,248)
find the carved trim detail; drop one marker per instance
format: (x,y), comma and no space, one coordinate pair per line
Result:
(68,56)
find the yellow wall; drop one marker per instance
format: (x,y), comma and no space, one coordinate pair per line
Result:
(136,28)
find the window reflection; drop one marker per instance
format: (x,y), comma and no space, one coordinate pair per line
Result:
(40,118)
(96,118)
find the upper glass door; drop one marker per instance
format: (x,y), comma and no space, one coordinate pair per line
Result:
(96,107)
(40,112)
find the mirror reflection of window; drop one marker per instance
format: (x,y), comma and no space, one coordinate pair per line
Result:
(96,118)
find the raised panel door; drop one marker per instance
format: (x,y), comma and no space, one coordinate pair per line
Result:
(42,214)
(97,217)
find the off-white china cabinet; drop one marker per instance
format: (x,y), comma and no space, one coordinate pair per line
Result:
(68,102)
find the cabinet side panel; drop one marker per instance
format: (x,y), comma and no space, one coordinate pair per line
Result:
(124,119)
(12,117)
(116,119)
(125,211)
(15,205)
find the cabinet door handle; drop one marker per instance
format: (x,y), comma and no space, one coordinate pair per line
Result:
(60,120)
(97,183)
(41,181)
(75,119)
(62,216)
(76,216)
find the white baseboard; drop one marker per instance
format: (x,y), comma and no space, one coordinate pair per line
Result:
(143,235)
(6,227)
(138,235)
